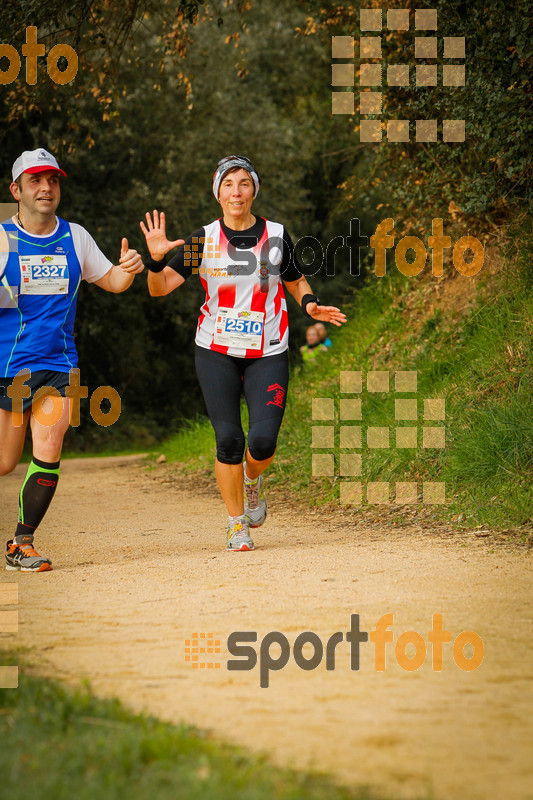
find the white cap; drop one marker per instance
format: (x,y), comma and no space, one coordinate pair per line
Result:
(35,161)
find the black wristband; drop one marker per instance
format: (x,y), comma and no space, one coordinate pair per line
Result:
(155,266)
(309,298)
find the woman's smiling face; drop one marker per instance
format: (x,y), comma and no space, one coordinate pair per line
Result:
(236,194)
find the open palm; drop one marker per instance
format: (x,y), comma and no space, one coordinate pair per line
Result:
(326,314)
(156,237)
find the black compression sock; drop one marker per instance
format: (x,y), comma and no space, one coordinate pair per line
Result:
(35,496)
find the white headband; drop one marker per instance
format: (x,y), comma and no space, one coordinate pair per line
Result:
(229,163)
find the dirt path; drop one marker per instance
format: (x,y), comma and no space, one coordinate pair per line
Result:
(140,566)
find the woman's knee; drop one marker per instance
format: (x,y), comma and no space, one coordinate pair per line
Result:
(262,446)
(230,444)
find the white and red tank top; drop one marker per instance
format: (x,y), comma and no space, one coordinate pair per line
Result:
(245,311)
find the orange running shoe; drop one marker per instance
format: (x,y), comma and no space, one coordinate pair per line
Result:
(25,558)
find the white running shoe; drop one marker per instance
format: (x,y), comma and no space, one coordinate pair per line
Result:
(238,537)
(255,504)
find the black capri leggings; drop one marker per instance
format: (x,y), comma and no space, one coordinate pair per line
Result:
(263,381)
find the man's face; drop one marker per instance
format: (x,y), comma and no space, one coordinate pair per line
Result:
(39,193)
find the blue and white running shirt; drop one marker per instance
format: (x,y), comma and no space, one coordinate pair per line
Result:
(39,281)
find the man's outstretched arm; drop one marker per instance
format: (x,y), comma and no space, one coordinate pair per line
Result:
(121,276)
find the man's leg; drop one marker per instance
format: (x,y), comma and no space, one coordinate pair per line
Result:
(39,486)
(12,441)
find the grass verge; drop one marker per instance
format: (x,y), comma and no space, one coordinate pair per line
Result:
(64,744)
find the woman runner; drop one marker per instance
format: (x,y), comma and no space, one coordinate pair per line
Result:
(242,335)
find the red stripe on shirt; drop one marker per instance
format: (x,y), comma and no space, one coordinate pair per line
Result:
(226,299)
(284,322)
(258,304)
(278,298)
(222,241)
(283,325)
(259,296)
(205,308)
(264,237)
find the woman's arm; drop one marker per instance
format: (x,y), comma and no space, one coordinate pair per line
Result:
(161,280)
(162,283)
(300,288)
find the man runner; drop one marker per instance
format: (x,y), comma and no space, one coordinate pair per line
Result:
(43,260)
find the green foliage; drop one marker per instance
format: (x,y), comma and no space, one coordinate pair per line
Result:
(158,101)
(193,444)
(155,146)
(490,174)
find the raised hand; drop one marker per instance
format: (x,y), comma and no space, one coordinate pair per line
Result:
(326,314)
(130,260)
(156,237)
